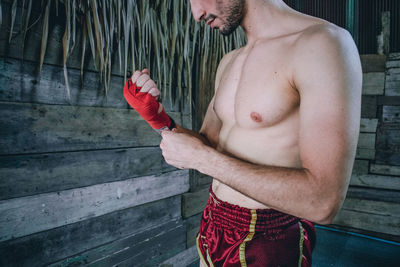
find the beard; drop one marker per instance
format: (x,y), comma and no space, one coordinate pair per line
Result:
(233,14)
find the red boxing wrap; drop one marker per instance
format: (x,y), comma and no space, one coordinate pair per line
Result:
(147,107)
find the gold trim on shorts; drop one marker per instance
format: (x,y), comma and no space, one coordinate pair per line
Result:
(201,254)
(301,243)
(249,237)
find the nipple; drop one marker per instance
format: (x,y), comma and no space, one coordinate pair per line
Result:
(256,117)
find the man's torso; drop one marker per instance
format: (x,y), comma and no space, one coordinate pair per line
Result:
(258,105)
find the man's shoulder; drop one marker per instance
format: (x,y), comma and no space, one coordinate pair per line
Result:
(325,37)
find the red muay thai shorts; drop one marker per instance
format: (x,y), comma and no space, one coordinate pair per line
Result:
(231,235)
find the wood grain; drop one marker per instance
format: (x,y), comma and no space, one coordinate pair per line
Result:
(31,128)
(194,202)
(32,214)
(376,181)
(373,83)
(147,248)
(63,242)
(24,175)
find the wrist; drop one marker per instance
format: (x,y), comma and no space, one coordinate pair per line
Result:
(205,154)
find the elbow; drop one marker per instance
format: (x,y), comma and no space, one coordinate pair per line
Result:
(325,211)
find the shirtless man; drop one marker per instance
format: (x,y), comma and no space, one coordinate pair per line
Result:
(279,136)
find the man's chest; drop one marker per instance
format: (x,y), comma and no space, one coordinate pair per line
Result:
(255,90)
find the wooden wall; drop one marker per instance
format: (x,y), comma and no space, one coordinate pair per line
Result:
(82,180)
(372,205)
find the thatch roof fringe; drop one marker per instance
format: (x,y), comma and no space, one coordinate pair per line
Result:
(160,35)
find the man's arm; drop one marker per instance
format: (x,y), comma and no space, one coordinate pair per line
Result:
(327,74)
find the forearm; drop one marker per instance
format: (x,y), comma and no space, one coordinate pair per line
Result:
(290,190)
(203,138)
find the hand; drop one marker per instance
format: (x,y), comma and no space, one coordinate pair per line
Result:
(142,79)
(181,150)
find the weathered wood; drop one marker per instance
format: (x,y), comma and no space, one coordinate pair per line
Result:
(191,235)
(20,83)
(373,194)
(24,175)
(205,180)
(388,144)
(373,83)
(387,157)
(391,114)
(393,64)
(62,242)
(371,206)
(394,56)
(366,140)
(368,221)
(373,63)
(192,228)
(28,215)
(368,125)
(31,128)
(368,106)
(388,100)
(194,202)
(147,248)
(376,181)
(182,259)
(385,169)
(360,166)
(365,153)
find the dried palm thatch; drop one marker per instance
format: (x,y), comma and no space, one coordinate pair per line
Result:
(158,34)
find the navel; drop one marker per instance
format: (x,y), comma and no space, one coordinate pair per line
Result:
(256,117)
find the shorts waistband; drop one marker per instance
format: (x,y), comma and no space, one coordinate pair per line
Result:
(227,215)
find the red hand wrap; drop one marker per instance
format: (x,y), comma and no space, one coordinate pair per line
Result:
(147,106)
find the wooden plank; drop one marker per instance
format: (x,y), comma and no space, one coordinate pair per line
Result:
(24,175)
(368,106)
(385,169)
(62,242)
(365,153)
(373,63)
(368,125)
(183,259)
(376,181)
(388,144)
(366,140)
(391,114)
(392,88)
(192,228)
(368,221)
(194,202)
(393,64)
(394,56)
(388,100)
(373,83)
(387,157)
(360,166)
(31,128)
(371,206)
(20,83)
(373,194)
(32,214)
(147,248)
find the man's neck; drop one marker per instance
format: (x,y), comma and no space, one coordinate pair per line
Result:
(264,19)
